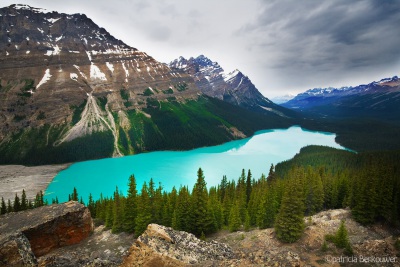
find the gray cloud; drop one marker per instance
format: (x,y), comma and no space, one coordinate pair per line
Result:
(326,36)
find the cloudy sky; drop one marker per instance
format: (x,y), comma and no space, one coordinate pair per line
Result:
(284,46)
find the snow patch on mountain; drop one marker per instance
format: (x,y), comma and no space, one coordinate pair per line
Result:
(45,78)
(95,73)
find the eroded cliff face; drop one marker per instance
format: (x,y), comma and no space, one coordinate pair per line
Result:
(26,235)
(66,72)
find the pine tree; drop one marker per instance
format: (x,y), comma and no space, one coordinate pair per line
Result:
(24,201)
(341,239)
(268,209)
(109,214)
(314,192)
(289,224)
(131,206)
(223,186)
(3,209)
(74,196)
(17,203)
(157,205)
(144,212)
(271,175)
(182,217)
(234,218)
(91,206)
(248,186)
(201,216)
(247,222)
(118,219)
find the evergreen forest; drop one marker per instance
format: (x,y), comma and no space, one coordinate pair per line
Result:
(318,178)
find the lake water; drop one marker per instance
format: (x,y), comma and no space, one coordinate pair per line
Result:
(175,168)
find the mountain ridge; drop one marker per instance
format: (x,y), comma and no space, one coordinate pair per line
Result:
(233,87)
(378,100)
(76,87)
(385,84)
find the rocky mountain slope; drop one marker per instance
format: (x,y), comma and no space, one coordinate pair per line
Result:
(374,100)
(67,85)
(233,87)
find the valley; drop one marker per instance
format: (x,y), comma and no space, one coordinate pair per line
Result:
(86,117)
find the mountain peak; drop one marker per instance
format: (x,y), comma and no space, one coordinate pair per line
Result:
(233,87)
(19,7)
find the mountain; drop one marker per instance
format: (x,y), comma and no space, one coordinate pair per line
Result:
(233,87)
(282,99)
(70,91)
(378,100)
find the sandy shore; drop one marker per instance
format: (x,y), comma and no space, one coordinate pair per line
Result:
(14,178)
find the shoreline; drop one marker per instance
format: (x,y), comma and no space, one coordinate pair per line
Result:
(15,178)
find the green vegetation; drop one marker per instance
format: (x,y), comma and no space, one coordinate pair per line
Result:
(181,87)
(102,102)
(168,91)
(148,92)
(341,239)
(77,112)
(162,125)
(125,96)
(289,223)
(28,86)
(41,116)
(359,134)
(31,147)
(19,118)
(21,204)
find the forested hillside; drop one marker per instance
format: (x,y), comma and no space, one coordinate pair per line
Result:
(318,178)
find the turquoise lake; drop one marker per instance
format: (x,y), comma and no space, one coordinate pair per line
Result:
(175,168)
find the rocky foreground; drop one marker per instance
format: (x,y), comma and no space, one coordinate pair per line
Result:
(63,235)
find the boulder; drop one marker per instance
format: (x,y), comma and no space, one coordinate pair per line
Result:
(29,234)
(164,246)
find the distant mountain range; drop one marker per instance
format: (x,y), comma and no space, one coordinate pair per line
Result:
(232,87)
(379,100)
(282,99)
(70,91)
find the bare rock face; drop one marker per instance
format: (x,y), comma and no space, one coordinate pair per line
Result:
(66,72)
(233,87)
(33,233)
(15,250)
(163,246)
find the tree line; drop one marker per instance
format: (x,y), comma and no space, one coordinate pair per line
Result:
(22,203)
(318,178)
